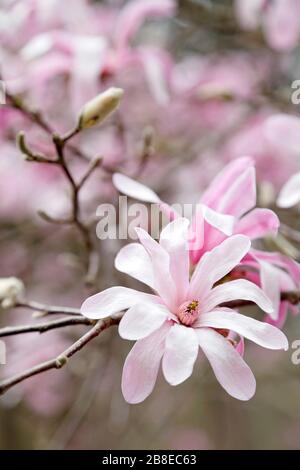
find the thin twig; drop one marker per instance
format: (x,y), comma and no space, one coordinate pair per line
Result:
(48,309)
(92,167)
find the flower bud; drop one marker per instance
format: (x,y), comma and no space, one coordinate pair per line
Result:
(97,110)
(11,291)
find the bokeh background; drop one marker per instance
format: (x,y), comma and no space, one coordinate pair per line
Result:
(201,78)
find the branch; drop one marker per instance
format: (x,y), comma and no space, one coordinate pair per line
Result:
(45,326)
(37,118)
(59,361)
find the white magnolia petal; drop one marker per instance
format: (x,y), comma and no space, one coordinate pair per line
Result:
(240,289)
(141,320)
(174,239)
(134,189)
(215,264)
(290,193)
(163,281)
(230,369)
(223,222)
(261,333)
(142,365)
(270,283)
(134,260)
(181,351)
(113,300)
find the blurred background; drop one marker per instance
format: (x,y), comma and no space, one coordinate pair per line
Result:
(201,80)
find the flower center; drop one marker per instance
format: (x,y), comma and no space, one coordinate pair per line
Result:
(188,312)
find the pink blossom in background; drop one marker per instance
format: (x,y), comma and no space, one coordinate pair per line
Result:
(184,314)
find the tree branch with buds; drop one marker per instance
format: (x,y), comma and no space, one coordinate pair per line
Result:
(93,113)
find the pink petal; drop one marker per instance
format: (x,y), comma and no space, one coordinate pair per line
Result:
(141,192)
(134,260)
(291,266)
(141,320)
(163,281)
(174,239)
(113,300)
(290,193)
(132,188)
(261,333)
(181,351)
(233,374)
(215,264)
(237,290)
(240,196)
(282,314)
(240,348)
(135,13)
(142,365)
(208,228)
(223,222)
(224,180)
(258,223)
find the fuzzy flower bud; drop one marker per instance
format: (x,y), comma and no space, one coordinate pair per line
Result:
(11,291)
(99,108)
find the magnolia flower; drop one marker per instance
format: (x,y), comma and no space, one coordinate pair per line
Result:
(183,313)
(11,291)
(227,208)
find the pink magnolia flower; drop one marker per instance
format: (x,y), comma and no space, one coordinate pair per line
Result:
(222,211)
(184,313)
(227,208)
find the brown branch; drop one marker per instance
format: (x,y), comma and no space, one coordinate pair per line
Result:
(45,326)
(59,361)
(93,165)
(48,309)
(37,118)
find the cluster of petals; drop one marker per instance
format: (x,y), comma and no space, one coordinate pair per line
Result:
(184,313)
(226,208)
